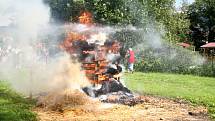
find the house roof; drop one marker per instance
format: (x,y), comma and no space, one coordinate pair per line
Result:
(209,45)
(183,44)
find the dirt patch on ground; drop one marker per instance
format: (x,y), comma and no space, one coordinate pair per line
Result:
(152,109)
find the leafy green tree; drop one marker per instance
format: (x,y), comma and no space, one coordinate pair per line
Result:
(165,16)
(139,13)
(202,17)
(104,11)
(65,10)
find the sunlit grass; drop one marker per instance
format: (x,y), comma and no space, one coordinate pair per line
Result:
(198,90)
(14,107)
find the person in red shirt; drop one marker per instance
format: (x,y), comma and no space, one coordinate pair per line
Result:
(131,60)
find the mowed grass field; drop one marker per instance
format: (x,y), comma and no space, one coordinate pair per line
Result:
(198,90)
(13,107)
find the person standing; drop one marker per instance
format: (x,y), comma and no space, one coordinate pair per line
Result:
(131,60)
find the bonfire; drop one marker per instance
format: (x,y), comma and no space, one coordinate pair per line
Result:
(99,59)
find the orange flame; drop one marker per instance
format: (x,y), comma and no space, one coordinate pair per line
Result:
(94,70)
(86,18)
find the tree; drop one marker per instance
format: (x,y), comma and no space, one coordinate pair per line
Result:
(138,13)
(105,11)
(65,10)
(202,17)
(165,16)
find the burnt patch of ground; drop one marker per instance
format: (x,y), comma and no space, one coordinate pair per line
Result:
(152,109)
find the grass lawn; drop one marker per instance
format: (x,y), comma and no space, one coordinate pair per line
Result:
(13,107)
(198,90)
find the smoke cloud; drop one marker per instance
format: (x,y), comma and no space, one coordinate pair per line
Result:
(25,61)
(29,55)
(151,41)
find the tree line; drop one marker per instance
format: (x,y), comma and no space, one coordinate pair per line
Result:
(194,23)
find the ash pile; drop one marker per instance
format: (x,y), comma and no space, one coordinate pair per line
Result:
(113,92)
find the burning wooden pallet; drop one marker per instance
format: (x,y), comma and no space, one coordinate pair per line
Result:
(92,49)
(95,71)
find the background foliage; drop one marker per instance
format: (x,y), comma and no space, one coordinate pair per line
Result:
(202,17)
(192,24)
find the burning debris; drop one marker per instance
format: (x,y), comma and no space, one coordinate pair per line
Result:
(100,59)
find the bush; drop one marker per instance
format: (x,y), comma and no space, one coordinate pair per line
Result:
(180,65)
(154,54)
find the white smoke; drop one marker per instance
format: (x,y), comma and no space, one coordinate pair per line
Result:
(21,61)
(22,19)
(152,42)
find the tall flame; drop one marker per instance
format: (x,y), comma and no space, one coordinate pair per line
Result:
(94,61)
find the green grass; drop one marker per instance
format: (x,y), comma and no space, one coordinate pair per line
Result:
(198,90)
(14,107)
